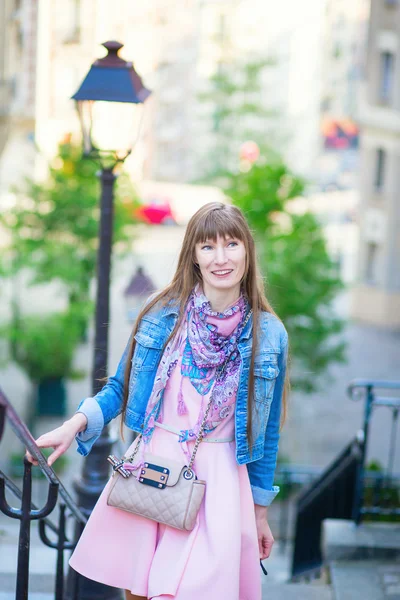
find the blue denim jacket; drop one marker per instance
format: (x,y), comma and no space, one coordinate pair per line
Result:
(269,372)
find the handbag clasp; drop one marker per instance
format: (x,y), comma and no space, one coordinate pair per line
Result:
(154,475)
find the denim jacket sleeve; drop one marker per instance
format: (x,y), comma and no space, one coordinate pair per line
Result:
(105,406)
(262,471)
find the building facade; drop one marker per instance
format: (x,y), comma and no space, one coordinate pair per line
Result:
(376,297)
(18,63)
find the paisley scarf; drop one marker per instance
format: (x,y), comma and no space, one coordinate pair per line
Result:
(210,360)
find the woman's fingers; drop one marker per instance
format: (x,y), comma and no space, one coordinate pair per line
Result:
(44,441)
(56,454)
(30,458)
(265,546)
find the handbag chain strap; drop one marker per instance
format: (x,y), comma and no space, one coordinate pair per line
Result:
(200,434)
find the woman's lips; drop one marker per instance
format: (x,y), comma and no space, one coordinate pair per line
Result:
(222,273)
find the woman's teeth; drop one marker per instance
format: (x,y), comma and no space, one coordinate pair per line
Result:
(222,272)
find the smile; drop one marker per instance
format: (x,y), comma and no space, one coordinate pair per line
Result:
(224,272)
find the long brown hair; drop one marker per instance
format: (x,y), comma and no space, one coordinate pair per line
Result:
(212,220)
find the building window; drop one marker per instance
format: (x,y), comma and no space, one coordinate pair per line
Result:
(370,266)
(387,76)
(380,166)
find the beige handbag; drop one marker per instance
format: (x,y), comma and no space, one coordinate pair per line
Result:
(165,491)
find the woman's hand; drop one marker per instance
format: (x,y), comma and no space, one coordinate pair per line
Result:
(265,537)
(60,439)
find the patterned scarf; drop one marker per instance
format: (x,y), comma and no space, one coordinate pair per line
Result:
(210,360)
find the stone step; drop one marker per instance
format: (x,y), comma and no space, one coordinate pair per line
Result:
(32,596)
(344,540)
(297,591)
(41,560)
(365,580)
(41,585)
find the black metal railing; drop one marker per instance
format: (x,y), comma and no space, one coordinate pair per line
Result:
(294,478)
(28,512)
(385,498)
(331,495)
(348,489)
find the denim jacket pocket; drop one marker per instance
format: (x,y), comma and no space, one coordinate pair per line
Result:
(147,351)
(265,375)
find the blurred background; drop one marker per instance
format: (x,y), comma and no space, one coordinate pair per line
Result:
(290,110)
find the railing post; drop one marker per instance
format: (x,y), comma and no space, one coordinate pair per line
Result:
(25,515)
(2,418)
(24,535)
(284,513)
(392,445)
(359,486)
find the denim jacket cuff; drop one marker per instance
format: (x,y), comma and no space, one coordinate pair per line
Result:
(95,420)
(264,497)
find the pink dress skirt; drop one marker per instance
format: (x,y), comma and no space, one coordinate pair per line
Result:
(218,560)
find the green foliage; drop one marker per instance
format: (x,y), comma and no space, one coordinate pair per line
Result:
(384,492)
(239,112)
(44,345)
(16,464)
(301,278)
(53,227)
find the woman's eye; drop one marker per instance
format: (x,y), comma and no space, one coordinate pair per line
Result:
(205,247)
(233,243)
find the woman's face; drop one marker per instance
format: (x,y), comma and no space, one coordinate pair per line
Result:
(222,263)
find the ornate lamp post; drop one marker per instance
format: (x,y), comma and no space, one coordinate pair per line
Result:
(110,107)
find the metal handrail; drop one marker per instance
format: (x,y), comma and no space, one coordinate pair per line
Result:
(376,383)
(28,512)
(25,436)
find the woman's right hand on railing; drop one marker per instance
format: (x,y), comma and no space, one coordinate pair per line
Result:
(60,438)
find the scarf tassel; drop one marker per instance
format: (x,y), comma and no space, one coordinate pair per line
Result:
(182,408)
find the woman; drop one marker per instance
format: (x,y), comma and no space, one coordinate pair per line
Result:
(213,313)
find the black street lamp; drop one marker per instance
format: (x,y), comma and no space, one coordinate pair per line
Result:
(110,106)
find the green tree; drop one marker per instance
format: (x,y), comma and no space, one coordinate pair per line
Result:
(239,112)
(53,226)
(301,278)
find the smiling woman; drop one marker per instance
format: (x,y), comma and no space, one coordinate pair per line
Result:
(206,362)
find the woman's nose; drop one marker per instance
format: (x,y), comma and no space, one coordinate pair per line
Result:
(220,256)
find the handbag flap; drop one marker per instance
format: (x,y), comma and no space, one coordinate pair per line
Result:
(175,468)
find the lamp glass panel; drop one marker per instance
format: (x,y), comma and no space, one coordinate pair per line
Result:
(85,110)
(114,126)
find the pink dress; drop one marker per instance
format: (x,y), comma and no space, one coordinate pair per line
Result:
(219,559)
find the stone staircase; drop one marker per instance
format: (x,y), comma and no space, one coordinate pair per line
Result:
(364,560)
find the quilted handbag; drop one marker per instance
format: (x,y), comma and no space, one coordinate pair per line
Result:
(164,491)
